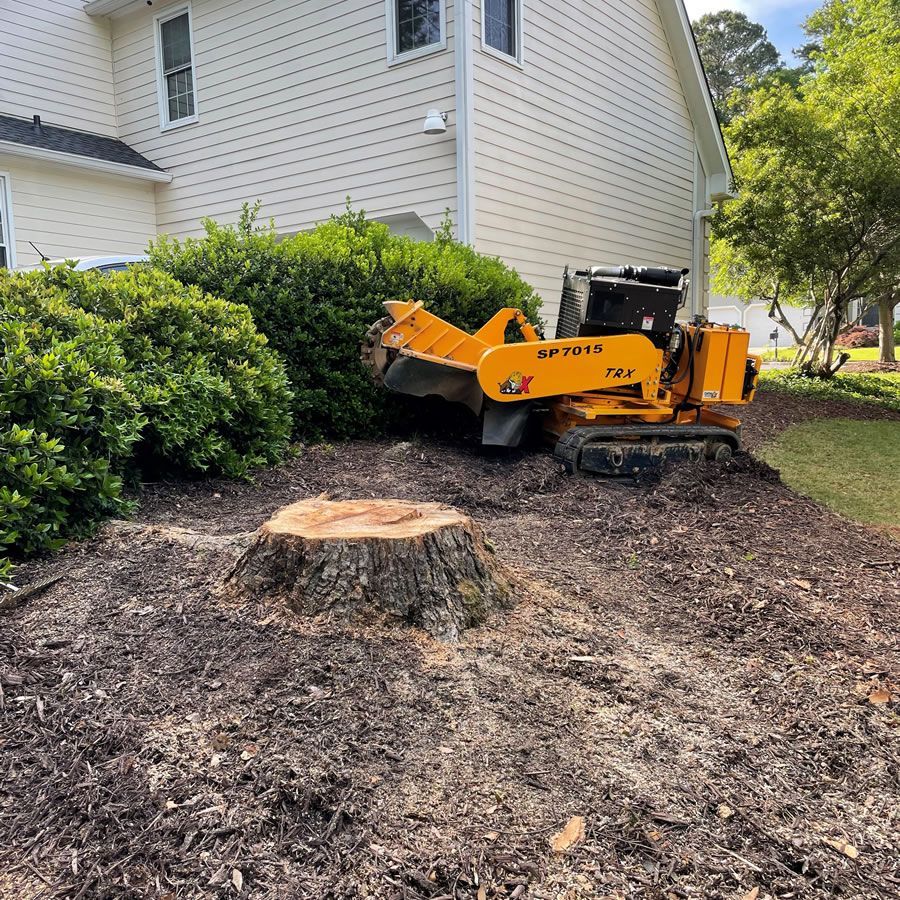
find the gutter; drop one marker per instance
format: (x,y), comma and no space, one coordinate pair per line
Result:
(465,123)
(85,162)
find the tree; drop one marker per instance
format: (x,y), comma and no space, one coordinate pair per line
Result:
(735,53)
(886,306)
(858,68)
(817,222)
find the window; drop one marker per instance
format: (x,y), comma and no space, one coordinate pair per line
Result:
(416,27)
(501,27)
(175,62)
(7,249)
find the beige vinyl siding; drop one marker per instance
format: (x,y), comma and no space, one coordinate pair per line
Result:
(70,213)
(585,155)
(298,108)
(56,62)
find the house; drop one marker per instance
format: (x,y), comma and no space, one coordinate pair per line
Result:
(754,316)
(577,131)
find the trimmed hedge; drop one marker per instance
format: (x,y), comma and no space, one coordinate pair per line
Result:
(315,294)
(215,396)
(100,374)
(68,417)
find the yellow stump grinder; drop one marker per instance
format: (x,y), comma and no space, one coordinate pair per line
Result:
(621,388)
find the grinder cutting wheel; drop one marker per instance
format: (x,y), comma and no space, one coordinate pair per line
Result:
(621,388)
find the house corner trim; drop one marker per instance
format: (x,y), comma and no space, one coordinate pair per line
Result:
(465,123)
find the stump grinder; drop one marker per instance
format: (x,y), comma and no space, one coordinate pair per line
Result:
(621,388)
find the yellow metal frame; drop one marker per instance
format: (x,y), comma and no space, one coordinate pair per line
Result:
(614,379)
(419,333)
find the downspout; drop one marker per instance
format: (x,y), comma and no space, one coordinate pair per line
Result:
(465,123)
(697,292)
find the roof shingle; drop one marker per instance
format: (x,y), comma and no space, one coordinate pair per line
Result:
(65,140)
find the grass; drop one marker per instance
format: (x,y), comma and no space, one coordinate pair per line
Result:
(850,466)
(867,354)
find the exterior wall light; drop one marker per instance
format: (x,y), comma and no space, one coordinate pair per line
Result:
(435,122)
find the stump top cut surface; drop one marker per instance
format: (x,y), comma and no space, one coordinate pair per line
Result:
(359,519)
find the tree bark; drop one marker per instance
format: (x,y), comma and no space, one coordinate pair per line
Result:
(886,304)
(425,563)
(776,314)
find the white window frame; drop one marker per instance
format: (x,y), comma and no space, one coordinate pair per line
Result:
(159,19)
(6,213)
(393,57)
(519,59)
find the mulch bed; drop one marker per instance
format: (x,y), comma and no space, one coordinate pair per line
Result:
(704,666)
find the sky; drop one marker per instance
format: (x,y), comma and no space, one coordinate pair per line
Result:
(781,18)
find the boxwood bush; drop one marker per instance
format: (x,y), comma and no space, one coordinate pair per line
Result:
(215,396)
(103,374)
(68,417)
(315,294)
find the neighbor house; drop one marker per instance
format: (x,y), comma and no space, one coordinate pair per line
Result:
(754,316)
(577,131)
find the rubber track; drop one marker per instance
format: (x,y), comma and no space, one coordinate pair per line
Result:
(570,446)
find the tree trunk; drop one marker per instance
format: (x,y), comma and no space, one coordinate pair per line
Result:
(816,356)
(776,314)
(425,563)
(886,353)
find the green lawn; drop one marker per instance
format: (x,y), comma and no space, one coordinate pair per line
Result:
(850,466)
(869,354)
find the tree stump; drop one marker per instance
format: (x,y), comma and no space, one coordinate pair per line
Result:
(423,562)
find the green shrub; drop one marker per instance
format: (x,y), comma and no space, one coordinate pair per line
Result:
(215,396)
(101,374)
(883,389)
(68,418)
(316,293)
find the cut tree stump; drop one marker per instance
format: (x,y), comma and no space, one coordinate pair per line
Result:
(423,562)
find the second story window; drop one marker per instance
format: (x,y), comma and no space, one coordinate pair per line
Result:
(175,60)
(417,27)
(501,27)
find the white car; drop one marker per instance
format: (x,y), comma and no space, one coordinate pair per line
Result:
(101,263)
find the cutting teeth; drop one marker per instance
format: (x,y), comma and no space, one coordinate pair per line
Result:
(372,355)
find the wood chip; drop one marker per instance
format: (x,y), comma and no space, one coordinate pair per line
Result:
(572,834)
(843,847)
(879,697)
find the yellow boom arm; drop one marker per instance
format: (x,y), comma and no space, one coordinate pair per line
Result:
(531,370)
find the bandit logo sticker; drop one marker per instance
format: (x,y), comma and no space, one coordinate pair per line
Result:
(517,383)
